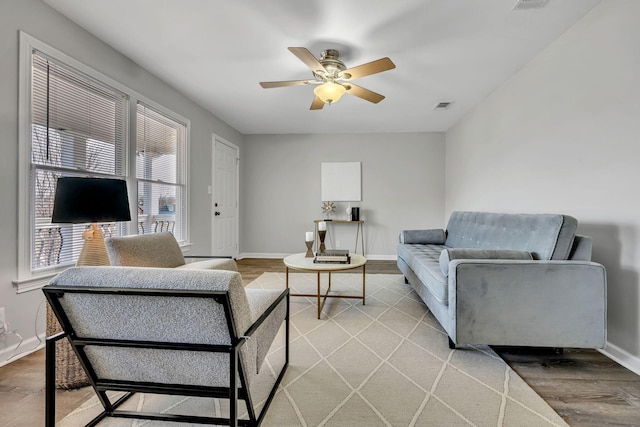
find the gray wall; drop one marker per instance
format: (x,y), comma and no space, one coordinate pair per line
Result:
(563,136)
(402,187)
(25,312)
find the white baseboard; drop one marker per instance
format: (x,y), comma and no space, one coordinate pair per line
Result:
(623,357)
(280,256)
(382,257)
(26,347)
(261,255)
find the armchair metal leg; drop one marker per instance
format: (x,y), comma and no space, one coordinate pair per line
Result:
(233,388)
(50,379)
(50,386)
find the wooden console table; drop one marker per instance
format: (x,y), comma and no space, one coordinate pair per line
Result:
(359,230)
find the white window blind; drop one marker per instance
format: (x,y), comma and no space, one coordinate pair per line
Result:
(79,128)
(160,172)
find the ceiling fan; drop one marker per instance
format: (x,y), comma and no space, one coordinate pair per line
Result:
(332,78)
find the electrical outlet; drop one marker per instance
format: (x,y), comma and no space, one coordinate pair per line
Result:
(338,244)
(3,324)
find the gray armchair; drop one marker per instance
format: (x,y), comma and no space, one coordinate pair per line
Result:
(143,250)
(170,331)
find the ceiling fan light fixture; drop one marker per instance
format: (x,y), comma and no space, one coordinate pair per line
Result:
(332,78)
(330,92)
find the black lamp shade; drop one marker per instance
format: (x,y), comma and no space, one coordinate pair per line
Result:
(80,200)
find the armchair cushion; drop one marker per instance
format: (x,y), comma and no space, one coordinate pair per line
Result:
(158,250)
(145,250)
(211,264)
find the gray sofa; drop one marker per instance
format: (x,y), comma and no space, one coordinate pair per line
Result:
(509,280)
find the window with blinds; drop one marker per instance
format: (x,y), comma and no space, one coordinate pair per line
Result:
(78,128)
(160,174)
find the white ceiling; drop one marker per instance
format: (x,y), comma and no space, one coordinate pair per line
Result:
(216,52)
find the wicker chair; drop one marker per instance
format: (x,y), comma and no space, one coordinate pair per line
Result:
(170,331)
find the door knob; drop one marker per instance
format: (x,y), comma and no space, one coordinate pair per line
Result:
(217,213)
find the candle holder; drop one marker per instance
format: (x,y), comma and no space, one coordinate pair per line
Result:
(322,234)
(309,253)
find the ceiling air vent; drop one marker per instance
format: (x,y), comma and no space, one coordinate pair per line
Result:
(442,105)
(529,4)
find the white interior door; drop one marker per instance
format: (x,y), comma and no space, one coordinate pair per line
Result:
(224,212)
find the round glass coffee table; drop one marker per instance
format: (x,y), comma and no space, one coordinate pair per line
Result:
(301,263)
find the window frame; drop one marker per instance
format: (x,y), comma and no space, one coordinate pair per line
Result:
(181,179)
(26,279)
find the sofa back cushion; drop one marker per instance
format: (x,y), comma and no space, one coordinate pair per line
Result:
(545,236)
(145,250)
(449,254)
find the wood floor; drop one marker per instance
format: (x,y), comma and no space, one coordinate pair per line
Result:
(583,386)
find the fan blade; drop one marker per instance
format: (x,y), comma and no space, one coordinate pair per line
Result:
(366,94)
(307,57)
(317,104)
(268,85)
(373,67)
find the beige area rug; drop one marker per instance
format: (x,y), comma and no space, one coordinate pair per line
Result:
(386,363)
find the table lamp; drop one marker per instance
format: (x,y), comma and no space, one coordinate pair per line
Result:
(91,200)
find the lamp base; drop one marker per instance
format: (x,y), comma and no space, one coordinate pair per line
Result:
(94,251)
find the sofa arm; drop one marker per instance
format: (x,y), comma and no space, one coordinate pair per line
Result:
(425,237)
(528,303)
(269,308)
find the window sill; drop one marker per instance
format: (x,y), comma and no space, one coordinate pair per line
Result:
(37,282)
(32,284)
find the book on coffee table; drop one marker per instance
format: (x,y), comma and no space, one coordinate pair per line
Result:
(337,256)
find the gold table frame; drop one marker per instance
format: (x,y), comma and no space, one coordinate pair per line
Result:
(301,263)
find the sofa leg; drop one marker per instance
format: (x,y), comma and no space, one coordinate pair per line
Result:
(406,281)
(452,345)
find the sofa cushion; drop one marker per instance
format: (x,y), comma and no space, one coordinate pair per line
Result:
(423,260)
(426,237)
(450,254)
(545,236)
